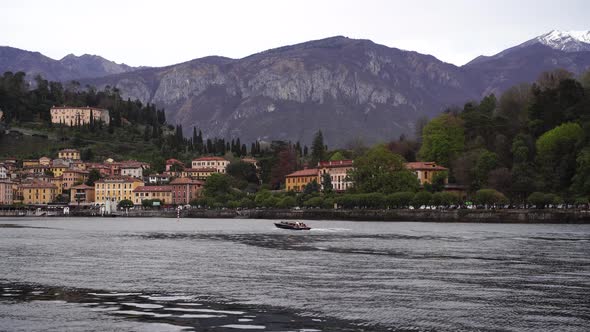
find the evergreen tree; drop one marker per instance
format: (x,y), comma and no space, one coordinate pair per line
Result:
(318,149)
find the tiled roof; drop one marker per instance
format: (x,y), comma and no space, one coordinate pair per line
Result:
(152,189)
(82,186)
(185,181)
(205,169)
(118,179)
(78,108)
(39,185)
(304,172)
(210,159)
(425,165)
(335,163)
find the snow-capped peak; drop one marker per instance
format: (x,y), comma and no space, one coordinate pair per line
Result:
(567,41)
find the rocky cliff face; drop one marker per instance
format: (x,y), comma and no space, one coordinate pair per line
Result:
(348,88)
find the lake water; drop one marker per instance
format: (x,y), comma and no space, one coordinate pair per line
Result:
(118,274)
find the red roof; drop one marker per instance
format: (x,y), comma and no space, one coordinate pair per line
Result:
(78,108)
(336,163)
(144,189)
(83,187)
(186,181)
(425,165)
(210,159)
(205,169)
(304,172)
(39,184)
(173,161)
(118,179)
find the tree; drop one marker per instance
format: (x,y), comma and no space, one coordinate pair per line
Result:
(217,185)
(243,171)
(312,187)
(318,149)
(581,179)
(556,155)
(380,170)
(327,183)
(443,138)
(125,204)
(337,156)
(93,176)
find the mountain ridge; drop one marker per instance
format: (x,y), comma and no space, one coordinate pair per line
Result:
(349,88)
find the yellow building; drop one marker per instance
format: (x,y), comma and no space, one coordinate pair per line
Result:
(425,170)
(163,193)
(58,170)
(38,192)
(75,116)
(115,189)
(296,181)
(30,162)
(69,154)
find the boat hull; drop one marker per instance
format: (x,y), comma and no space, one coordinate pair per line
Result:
(293,227)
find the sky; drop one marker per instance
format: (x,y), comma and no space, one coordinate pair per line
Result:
(159,33)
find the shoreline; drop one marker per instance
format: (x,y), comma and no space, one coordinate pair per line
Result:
(548,216)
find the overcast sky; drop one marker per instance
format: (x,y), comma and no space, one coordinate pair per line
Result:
(158,33)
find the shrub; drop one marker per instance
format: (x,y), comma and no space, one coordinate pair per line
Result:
(490,197)
(422,198)
(400,199)
(314,202)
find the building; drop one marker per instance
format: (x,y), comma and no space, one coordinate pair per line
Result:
(218,163)
(58,170)
(3,171)
(82,195)
(198,173)
(115,189)
(174,165)
(69,154)
(158,179)
(38,192)
(75,116)
(297,181)
(338,171)
(71,177)
(30,162)
(162,193)
(45,161)
(184,190)
(6,193)
(425,170)
(135,171)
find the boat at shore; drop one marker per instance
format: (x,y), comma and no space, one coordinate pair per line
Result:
(294,225)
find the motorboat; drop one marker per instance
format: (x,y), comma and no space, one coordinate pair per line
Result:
(294,225)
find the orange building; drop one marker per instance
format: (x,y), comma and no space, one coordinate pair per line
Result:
(82,194)
(71,177)
(38,192)
(425,170)
(296,181)
(162,193)
(185,190)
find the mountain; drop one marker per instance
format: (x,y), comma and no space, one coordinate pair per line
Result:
(71,67)
(348,88)
(524,62)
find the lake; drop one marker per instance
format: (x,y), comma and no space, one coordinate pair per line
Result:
(119,274)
